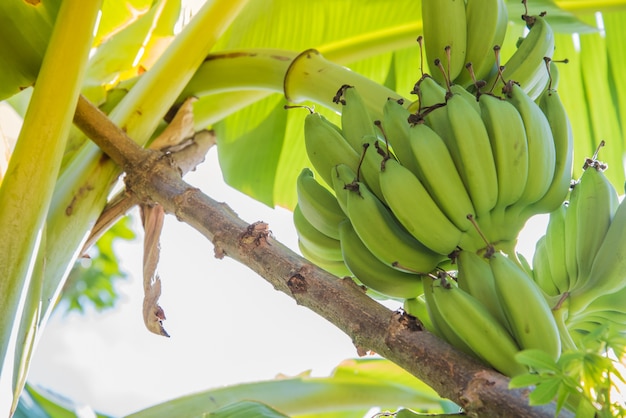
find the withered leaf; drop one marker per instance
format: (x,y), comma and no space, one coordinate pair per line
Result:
(152,217)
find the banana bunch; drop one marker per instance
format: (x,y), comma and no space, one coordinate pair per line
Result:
(463,34)
(580,263)
(422,205)
(491,310)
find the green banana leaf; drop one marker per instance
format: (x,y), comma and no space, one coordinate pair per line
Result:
(352,389)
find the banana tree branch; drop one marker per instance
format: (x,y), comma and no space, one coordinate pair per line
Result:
(152,177)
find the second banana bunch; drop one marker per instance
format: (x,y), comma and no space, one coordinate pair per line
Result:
(426,204)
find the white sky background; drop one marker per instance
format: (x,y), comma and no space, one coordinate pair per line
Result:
(227,324)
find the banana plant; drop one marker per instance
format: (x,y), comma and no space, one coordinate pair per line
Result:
(135,67)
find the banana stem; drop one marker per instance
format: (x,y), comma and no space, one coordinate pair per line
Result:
(561,314)
(27,188)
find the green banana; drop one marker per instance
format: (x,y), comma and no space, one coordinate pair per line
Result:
(323,246)
(527,66)
(487,21)
(430,105)
(529,315)
(608,271)
(468,96)
(613,301)
(343,178)
(384,236)
(396,125)
(358,128)
(570,239)
(509,147)
(371,160)
(416,210)
(471,151)
(373,273)
(337,268)
(542,274)
(355,119)
(326,147)
(470,320)
(440,325)
(318,205)
(556,249)
(541,151)
(476,278)
(596,202)
(445,27)
(435,163)
(552,107)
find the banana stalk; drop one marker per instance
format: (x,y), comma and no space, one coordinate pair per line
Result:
(27,189)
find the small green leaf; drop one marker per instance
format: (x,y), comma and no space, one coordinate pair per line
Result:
(537,359)
(524,380)
(545,392)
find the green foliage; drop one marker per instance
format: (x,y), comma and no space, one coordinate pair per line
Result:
(41,403)
(92,280)
(588,380)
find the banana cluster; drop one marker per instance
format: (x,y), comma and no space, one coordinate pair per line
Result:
(491,309)
(580,263)
(464,33)
(426,204)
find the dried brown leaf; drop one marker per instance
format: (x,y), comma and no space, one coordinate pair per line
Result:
(152,217)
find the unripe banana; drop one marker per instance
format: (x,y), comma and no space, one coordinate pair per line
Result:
(471,151)
(370,164)
(509,147)
(445,26)
(439,174)
(541,269)
(440,325)
(470,320)
(337,268)
(318,205)
(596,202)
(556,250)
(416,210)
(372,272)
(541,151)
(469,97)
(487,22)
(355,119)
(322,246)
(343,177)
(476,278)
(608,271)
(384,236)
(396,125)
(529,316)
(431,105)
(613,301)
(552,107)
(527,66)
(326,147)
(358,128)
